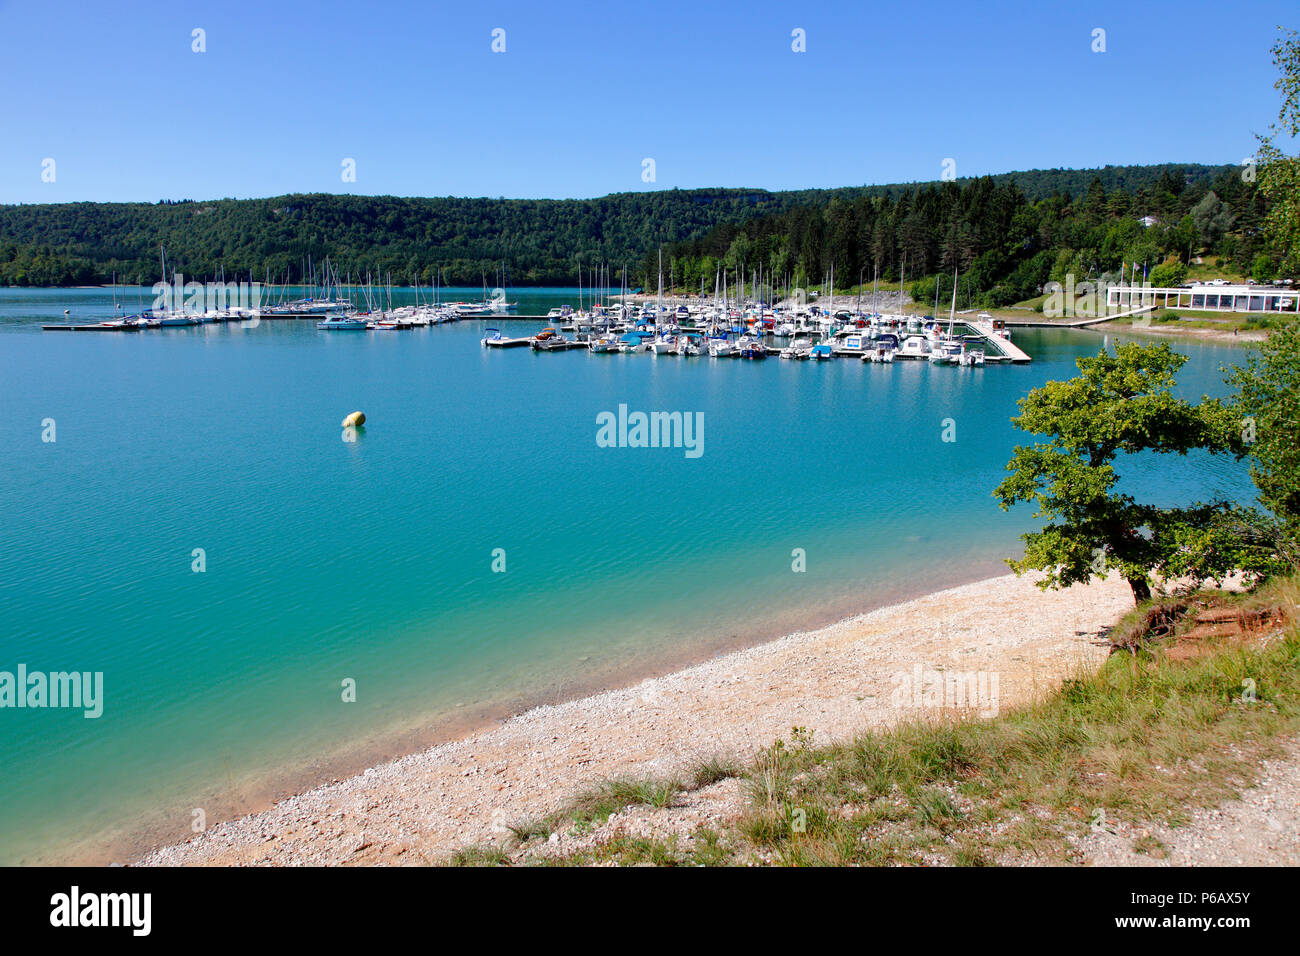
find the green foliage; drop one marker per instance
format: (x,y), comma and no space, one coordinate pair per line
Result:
(1120,404)
(615,795)
(1212,219)
(990,228)
(1171,272)
(1279,174)
(1264,267)
(1006,235)
(539,241)
(1268,406)
(923,290)
(713,770)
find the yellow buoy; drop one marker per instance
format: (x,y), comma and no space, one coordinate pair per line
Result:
(356,418)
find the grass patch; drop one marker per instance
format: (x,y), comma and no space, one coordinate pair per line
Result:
(1148,845)
(714,770)
(480,855)
(1211,320)
(705,847)
(526,830)
(599,804)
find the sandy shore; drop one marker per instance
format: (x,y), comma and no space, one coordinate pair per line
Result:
(1177,330)
(835,680)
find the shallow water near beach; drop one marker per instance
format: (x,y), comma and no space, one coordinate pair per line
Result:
(371,561)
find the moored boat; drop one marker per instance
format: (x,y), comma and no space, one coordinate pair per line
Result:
(634,342)
(723,348)
(690,343)
(550,340)
(606,342)
(342,323)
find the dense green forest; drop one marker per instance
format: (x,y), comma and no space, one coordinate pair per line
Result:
(1005,240)
(994,225)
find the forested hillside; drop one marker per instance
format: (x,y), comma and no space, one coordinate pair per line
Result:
(546,241)
(1005,242)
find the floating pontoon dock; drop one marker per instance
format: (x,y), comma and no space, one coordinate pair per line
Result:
(504,343)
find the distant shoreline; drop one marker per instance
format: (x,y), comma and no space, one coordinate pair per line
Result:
(887,298)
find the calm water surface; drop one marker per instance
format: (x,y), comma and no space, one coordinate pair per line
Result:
(372,560)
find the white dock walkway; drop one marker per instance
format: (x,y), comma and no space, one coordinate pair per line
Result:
(1009,349)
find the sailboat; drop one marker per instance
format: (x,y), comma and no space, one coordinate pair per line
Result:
(948,350)
(342,323)
(171,316)
(665,344)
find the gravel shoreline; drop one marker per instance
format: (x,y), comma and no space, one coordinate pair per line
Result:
(1259,828)
(834,681)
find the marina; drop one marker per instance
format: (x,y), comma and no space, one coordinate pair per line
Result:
(873,338)
(748,320)
(708,328)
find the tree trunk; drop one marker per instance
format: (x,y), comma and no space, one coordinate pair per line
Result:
(1141,589)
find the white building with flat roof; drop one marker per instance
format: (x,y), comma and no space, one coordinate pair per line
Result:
(1206,298)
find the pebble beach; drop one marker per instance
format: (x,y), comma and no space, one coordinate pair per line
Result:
(833,681)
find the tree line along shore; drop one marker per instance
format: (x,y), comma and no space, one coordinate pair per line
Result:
(1006,235)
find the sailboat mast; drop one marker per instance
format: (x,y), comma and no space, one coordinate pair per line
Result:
(952,312)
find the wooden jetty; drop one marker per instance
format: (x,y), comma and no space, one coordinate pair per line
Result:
(1008,351)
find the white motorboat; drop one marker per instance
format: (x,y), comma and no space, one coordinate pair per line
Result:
(914,347)
(690,344)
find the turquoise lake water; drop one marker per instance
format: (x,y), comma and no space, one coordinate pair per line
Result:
(372,560)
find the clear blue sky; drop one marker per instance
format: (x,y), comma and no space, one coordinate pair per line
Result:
(711,91)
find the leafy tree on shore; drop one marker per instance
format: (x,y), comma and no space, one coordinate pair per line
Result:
(1212,219)
(1120,404)
(1268,405)
(1279,174)
(1172,272)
